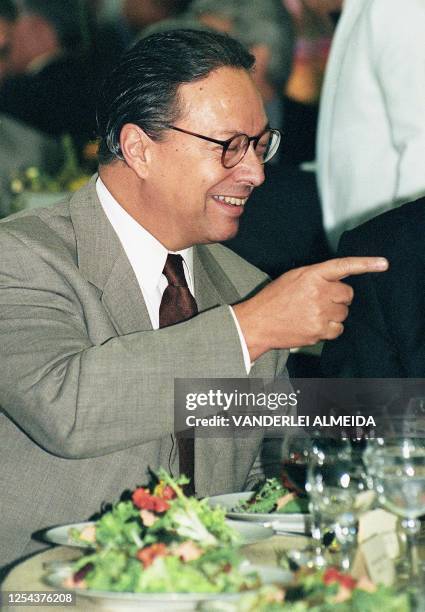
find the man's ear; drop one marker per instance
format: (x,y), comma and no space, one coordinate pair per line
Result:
(135,146)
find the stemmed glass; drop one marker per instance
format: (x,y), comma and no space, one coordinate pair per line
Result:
(294,466)
(399,476)
(337,496)
(372,448)
(414,418)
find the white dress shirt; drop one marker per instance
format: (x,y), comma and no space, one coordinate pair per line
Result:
(371,129)
(147,257)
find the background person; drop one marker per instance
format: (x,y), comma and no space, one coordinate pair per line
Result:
(371,136)
(51,86)
(384,333)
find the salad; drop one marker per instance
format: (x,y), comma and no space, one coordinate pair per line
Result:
(272,496)
(323,591)
(161,541)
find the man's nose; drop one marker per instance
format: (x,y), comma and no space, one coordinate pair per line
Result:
(250,167)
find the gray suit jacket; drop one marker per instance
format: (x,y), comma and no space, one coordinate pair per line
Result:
(86,385)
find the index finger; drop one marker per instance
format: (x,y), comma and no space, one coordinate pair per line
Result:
(341,267)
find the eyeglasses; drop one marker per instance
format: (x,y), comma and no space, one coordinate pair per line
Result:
(234,149)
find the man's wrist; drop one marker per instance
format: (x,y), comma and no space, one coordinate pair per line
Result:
(241,315)
(244,346)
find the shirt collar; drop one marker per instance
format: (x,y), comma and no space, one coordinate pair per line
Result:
(146,254)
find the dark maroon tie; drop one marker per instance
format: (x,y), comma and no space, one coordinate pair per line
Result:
(177,305)
(177,302)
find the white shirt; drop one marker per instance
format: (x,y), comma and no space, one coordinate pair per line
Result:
(371,131)
(147,257)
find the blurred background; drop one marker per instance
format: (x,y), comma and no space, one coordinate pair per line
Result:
(54,54)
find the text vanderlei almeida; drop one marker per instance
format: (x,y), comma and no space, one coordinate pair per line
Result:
(225,402)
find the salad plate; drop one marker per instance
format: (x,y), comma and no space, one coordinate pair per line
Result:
(159,602)
(290,522)
(63,534)
(157,549)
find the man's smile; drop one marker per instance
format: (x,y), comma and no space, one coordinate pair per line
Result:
(231,200)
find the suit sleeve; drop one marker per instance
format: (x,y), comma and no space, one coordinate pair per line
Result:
(79,398)
(397,39)
(384,334)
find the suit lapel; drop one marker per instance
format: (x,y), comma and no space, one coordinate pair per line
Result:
(124,301)
(212,286)
(103,262)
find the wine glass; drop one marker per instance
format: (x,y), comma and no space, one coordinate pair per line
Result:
(414,418)
(338,494)
(294,476)
(298,449)
(399,475)
(368,458)
(294,465)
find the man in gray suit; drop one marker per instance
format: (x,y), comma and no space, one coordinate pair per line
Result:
(86,387)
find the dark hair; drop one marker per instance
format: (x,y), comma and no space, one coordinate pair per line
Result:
(143,87)
(8,10)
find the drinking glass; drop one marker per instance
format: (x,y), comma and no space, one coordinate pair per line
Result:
(399,475)
(294,466)
(338,494)
(298,450)
(369,455)
(414,418)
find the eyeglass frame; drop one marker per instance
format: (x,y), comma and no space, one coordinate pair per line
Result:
(226,143)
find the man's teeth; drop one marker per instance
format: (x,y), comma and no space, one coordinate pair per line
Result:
(232,201)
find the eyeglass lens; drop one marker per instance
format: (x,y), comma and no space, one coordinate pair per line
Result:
(265,148)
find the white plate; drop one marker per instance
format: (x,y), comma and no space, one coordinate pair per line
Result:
(61,534)
(250,533)
(281,522)
(116,602)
